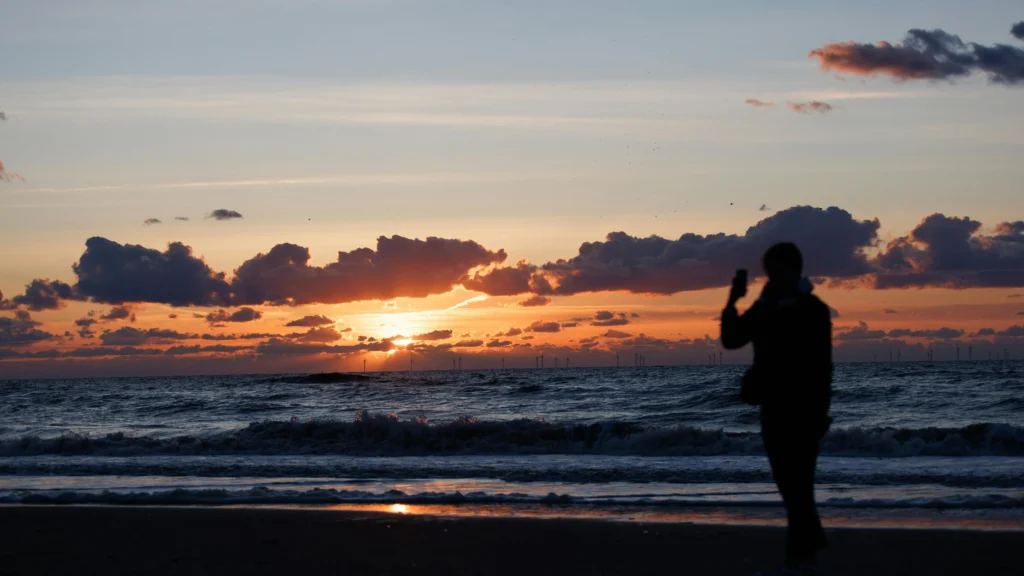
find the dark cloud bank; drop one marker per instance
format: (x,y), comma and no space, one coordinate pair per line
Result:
(942,251)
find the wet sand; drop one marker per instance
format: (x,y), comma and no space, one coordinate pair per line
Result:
(137,540)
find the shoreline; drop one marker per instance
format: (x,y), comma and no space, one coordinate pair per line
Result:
(957,519)
(256,540)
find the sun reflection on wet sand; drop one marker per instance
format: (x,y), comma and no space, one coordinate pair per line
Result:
(753,517)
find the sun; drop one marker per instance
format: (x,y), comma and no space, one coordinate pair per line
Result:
(403,342)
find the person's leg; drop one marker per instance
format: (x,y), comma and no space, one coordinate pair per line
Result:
(793,458)
(806,535)
(780,461)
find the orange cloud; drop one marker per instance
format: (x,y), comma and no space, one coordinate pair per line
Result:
(6,176)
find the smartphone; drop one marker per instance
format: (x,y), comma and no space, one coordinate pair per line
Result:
(741,276)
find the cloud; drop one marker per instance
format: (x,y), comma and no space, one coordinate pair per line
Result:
(6,176)
(759,103)
(172,316)
(541,326)
(949,252)
(399,267)
(859,332)
(244,314)
(3,116)
(940,333)
(181,218)
(20,330)
(151,221)
(248,336)
(1014,296)
(833,312)
(323,335)
(119,313)
(512,332)
(534,301)
(499,344)
(808,107)
(434,335)
(890,311)
(1016,331)
(129,336)
(279,347)
(86,322)
(112,273)
(832,242)
(197,349)
(506,281)
(40,294)
(925,55)
(222,214)
(1018,30)
(468,301)
(616,334)
(569,324)
(306,321)
(469,344)
(606,318)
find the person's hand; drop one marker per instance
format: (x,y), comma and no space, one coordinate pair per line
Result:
(739,288)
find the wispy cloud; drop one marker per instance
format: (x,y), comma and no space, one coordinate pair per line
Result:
(808,107)
(342,180)
(866,95)
(468,301)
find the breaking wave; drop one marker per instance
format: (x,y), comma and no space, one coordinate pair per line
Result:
(387,435)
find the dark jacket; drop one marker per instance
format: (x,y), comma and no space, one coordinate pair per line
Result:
(792,336)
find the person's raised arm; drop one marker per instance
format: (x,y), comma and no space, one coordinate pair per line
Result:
(736,329)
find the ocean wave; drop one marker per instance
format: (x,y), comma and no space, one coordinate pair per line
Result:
(387,435)
(321,378)
(268,496)
(993,472)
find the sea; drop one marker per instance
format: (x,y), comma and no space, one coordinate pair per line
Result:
(935,444)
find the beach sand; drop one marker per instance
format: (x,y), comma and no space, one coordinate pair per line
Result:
(167,540)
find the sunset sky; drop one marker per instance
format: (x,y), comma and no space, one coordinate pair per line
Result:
(180,181)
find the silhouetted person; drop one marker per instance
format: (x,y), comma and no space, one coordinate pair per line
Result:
(791,379)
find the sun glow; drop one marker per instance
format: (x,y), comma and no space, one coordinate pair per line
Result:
(399,508)
(403,342)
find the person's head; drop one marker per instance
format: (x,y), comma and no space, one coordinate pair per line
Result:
(783,263)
